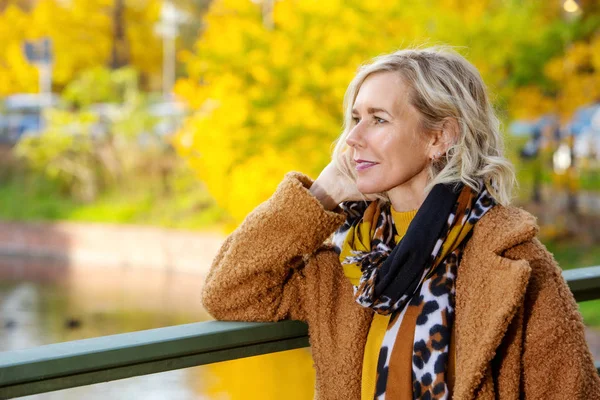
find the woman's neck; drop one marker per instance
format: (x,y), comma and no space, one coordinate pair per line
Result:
(410,195)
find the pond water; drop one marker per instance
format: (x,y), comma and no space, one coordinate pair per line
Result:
(43,303)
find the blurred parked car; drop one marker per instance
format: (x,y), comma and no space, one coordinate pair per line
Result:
(542,133)
(581,120)
(585,128)
(587,142)
(170,116)
(22,114)
(522,128)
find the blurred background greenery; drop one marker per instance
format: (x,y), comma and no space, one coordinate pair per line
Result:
(187,113)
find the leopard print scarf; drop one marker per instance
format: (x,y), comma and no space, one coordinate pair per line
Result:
(421,270)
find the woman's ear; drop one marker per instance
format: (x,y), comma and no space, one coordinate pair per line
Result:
(444,138)
(451,131)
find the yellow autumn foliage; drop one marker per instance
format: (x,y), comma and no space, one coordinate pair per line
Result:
(576,77)
(529,102)
(269,100)
(82,37)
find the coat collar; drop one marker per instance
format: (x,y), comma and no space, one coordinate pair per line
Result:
(489,290)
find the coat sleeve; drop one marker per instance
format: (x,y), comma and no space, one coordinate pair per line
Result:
(258,274)
(557,363)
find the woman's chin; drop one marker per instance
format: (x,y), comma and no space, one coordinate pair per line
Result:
(368,189)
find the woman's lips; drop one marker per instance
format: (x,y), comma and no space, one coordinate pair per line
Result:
(363,165)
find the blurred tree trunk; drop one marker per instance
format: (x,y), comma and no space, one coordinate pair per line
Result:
(120,46)
(590,6)
(26,5)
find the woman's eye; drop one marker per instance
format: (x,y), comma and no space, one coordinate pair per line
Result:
(380,120)
(356,120)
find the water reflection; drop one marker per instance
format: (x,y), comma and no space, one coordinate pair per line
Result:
(49,302)
(19,311)
(288,375)
(169,385)
(73,302)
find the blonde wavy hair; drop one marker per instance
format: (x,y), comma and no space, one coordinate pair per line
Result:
(442,84)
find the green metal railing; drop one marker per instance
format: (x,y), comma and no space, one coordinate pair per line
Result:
(85,362)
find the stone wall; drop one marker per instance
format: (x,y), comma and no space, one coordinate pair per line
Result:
(111,245)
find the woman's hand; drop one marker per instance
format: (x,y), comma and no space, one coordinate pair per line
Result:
(332,187)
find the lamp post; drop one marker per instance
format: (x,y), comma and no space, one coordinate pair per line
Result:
(168,29)
(40,53)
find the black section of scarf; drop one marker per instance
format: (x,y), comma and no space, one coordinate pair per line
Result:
(403,269)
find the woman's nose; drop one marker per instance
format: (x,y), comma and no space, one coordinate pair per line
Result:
(355,138)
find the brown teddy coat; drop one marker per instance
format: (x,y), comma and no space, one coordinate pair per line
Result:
(518,332)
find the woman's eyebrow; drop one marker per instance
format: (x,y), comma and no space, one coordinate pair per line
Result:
(372,110)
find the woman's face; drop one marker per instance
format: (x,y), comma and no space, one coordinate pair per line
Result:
(390,151)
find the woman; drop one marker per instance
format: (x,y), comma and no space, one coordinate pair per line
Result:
(434,287)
